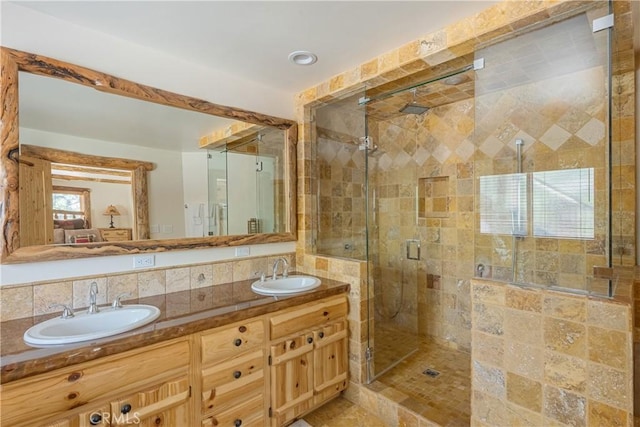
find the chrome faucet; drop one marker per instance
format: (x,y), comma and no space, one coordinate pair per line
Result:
(285,268)
(93,292)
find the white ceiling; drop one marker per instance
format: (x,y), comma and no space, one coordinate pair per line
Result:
(252,39)
(228,52)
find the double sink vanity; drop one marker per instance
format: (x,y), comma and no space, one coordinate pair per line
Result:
(226,355)
(249,353)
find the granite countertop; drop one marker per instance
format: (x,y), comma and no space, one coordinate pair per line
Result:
(182,313)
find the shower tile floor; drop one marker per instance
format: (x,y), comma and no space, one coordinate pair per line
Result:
(444,400)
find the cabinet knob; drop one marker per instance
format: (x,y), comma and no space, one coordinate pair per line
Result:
(321,334)
(237,342)
(310,340)
(237,423)
(126,408)
(237,374)
(95,419)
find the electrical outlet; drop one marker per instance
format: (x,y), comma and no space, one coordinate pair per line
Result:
(144,261)
(243,251)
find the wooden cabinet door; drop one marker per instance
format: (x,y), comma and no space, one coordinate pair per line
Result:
(330,360)
(291,378)
(166,404)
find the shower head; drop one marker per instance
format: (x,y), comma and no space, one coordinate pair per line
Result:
(413,108)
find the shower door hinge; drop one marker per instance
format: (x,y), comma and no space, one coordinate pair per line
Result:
(478,64)
(363,100)
(368,354)
(366,143)
(602,23)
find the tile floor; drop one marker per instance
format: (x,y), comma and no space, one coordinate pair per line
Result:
(444,400)
(342,413)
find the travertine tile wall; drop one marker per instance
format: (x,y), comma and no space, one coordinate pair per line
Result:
(563,127)
(33,299)
(545,358)
(340,214)
(432,52)
(424,149)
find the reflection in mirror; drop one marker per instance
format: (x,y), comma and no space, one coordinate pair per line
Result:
(108,122)
(56,114)
(67,192)
(246,193)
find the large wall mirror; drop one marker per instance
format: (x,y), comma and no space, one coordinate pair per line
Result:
(128,168)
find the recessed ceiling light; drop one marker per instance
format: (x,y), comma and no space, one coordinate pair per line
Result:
(302,57)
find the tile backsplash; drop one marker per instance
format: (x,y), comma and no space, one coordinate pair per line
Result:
(32,299)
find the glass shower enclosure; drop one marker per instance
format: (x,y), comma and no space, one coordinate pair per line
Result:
(494,165)
(543,138)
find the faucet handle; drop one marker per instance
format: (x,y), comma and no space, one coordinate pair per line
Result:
(116,301)
(67,312)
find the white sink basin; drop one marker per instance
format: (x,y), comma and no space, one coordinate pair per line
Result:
(285,285)
(85,327)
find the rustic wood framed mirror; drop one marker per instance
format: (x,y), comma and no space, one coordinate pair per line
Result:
(15,153)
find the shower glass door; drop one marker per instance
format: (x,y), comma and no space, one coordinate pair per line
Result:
(397,248)
(366,210)
(542,133)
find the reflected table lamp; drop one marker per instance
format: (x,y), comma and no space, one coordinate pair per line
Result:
(111,211)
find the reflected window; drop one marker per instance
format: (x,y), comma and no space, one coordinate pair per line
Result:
(71,203)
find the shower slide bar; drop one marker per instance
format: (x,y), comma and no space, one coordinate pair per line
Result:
(477,64)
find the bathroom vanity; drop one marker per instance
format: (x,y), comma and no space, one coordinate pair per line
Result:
(218,356)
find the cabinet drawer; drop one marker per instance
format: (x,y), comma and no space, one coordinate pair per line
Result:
(308,316)
(227,342)
(154,400)
(230,383)
(73,387)
(250,413)
(95,416)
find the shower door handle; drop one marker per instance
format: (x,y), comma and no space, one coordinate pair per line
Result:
(413,249)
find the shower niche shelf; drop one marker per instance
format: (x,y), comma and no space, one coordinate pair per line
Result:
(433,197)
